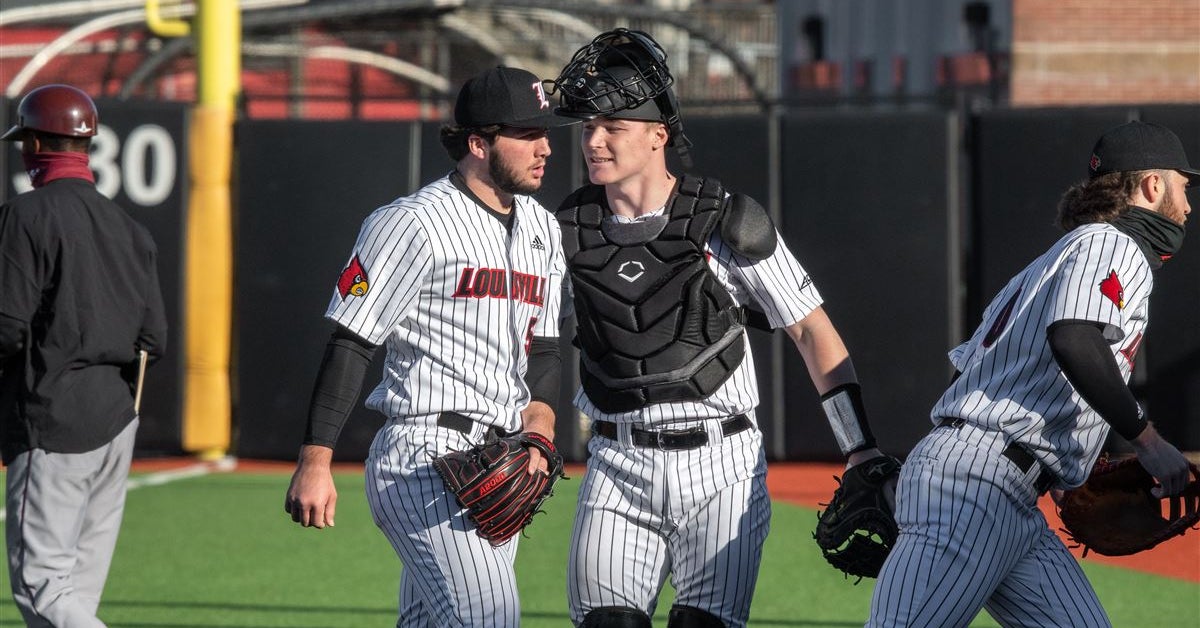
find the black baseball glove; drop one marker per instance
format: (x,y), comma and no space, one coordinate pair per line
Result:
(857,530)
(493,483)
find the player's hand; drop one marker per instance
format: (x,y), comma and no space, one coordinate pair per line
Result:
(538,462)
(1163,461)
(889,487)
(862,456)
(312,497)
(538,417)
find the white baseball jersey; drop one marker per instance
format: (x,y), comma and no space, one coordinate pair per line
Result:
(456,298)
(1010,381)
(971,534)
(644,512)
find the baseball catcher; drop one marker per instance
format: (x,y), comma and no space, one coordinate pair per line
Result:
(493,482)
(857,529)
(1115,512)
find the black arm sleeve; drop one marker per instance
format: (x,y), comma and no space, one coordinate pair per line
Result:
(1085,358)
(339,381)
(545,370)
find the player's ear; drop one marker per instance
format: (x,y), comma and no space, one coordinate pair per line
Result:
(30,144)
(661,135)
(1153,185)
(478,146)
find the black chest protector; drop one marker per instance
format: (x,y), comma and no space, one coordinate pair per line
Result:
(654,325)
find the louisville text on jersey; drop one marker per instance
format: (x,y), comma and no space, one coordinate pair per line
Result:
(353,281)
(1111,287)
(479,283)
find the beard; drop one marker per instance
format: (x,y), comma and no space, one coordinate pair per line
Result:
(507,179)
(1171,210)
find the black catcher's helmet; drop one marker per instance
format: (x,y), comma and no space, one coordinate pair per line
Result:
(622,74)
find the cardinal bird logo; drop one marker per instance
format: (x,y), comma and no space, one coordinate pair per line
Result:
(353,281)
(1111,288)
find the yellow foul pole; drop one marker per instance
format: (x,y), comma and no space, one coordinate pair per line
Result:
(208,273)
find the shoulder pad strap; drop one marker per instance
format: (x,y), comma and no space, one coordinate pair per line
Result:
(697,186)
(582,207)
(747,228)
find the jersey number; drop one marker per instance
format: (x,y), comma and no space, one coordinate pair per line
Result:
(1001,321)
(529,334)
(1131,349)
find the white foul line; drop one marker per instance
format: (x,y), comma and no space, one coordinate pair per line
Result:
(222,465)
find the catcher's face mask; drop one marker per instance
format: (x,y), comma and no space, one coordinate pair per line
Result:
(621,74)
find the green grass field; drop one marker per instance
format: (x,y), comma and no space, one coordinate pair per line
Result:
(218,551)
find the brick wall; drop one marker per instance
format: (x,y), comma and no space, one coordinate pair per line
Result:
(1095,52)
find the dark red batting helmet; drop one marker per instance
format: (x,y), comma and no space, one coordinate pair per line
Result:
(57,109)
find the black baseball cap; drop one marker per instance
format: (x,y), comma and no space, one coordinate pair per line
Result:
(506,96)
(1140,146)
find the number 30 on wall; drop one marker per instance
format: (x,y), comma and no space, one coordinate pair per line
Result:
(144,167)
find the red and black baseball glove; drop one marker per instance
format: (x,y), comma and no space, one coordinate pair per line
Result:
(493,483)
(1115,514)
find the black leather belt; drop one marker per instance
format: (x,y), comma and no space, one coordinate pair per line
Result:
(1018,455)
(464,424)
(689,438)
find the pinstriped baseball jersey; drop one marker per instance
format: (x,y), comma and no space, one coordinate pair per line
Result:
(1010,381)
(779,286)
(456,299)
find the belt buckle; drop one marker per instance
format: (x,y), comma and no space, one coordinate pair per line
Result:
(661,436)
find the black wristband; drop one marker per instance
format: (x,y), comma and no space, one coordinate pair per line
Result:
(843,406)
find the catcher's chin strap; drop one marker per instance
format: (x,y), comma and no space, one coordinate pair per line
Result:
(670,107)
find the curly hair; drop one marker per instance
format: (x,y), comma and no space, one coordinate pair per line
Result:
(454,138)
(1098,200)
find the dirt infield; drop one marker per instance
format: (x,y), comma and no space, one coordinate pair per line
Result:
(809,484)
